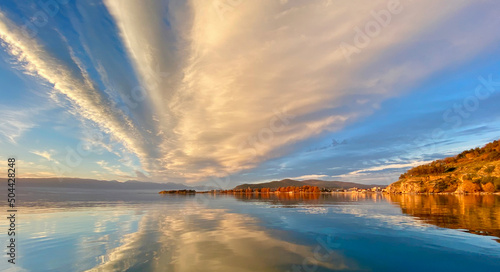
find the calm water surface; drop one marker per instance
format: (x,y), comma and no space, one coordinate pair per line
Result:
(143,231)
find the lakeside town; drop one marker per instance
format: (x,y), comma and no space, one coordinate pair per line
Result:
(281,190)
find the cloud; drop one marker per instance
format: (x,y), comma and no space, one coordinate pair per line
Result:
(385,173)
(75,86)
(387,166)
(304,177)
(228,76)
(44,154)
(140,175)
(14,123)
(113,169)
(226,93)
(243,242)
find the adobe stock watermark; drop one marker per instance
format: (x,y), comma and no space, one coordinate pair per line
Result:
(484,89)
(153,78)
(48,9)
(456,115)
(223,7)
(382,176)
(93,144)
(323,252)
(216,183)
(276,124)
(333,144)
(131,100)
(74,156)
(363,36)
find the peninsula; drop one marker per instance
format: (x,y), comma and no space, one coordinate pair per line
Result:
(472,171)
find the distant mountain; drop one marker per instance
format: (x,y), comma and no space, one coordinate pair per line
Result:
(312,182)
(99,184)
(474,170)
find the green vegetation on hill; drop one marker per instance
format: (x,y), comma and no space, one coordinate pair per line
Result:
(182,192)
(288,189)
(474,170)
(311,182)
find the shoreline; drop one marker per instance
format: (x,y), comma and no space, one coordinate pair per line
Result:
(184,192)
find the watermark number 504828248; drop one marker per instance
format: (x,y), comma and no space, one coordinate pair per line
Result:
(11,210)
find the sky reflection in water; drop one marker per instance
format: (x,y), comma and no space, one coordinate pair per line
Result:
(148,232)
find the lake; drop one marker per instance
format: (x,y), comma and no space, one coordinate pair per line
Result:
(63,230)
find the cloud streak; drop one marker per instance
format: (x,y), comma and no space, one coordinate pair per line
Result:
(14,124)
(226,78)
(44,154)
(75,86)
(223,94)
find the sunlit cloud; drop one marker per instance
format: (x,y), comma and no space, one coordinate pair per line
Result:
(304,177)
(387,166)
(47,154)
(193,90)
(219,93)
(243,242)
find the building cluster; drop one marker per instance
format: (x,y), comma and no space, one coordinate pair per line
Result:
(295,189)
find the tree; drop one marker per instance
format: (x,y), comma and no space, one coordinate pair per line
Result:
(470,187)
(490,169)
(489,187)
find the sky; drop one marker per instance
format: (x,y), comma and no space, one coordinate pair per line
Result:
(226,92)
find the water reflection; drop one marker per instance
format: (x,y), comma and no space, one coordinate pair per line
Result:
(478,214)
(291,199)
(201,239)
(173,234)
(252,232)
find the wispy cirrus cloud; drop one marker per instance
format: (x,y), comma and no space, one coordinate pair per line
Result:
(385,167)
(312,176)
(14,124)
(113,169)
(47,154)
(74,85)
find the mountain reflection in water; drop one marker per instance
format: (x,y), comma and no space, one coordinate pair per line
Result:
(477,214)
(144,231)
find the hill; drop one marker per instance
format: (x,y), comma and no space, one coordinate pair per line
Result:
(474,170)
(312,182)
(96,184)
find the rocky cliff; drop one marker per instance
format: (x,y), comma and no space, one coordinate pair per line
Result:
(472,171)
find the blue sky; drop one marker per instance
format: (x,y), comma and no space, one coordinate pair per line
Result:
(226,92)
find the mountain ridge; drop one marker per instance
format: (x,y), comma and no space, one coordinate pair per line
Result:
(81,183)
(312,182)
